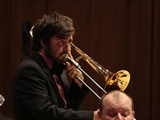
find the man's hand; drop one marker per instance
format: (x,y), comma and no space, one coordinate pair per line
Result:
(72,72)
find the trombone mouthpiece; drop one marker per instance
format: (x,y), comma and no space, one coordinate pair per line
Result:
(65,56)
(72,61)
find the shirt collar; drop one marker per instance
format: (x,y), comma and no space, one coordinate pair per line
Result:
(57,67)
(46,59)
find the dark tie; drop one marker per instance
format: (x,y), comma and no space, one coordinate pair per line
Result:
(55,77)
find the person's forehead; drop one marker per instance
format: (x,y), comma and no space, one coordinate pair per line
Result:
(68,38)
(122,101)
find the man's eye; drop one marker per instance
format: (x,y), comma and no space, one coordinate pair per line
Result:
(125,114)
(60,42)
(112,114)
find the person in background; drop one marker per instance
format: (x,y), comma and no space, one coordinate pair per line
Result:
(39,92)
(116,105)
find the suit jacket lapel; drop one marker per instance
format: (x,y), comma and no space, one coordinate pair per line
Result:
(45,68)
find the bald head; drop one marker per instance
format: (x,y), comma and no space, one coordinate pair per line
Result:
(117,96)
(116,103)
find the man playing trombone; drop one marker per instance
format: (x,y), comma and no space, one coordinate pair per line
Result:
(39,93)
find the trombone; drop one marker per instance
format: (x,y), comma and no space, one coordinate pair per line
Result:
(118,80)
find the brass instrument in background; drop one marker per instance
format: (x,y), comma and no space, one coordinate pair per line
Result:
(118,80)
(2,99)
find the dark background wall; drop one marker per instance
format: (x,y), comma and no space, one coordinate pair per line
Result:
(118,34)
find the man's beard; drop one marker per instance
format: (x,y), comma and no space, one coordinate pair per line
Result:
(58,64)
(55,59)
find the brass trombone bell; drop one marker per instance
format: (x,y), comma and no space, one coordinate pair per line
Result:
(118,80)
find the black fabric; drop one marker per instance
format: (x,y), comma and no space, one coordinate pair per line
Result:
(58,68)
(36,97)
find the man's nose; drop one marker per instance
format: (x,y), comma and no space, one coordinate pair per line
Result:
(119,117)
(67,47)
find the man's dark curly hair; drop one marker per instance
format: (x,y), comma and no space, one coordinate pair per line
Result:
(53,24)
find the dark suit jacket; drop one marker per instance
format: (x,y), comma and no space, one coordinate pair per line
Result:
(36,97)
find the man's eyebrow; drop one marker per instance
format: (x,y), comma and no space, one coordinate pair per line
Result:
(126,109)
(110,109)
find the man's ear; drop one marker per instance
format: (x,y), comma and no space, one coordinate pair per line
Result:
(134,114)
(99,114)
(42,44)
